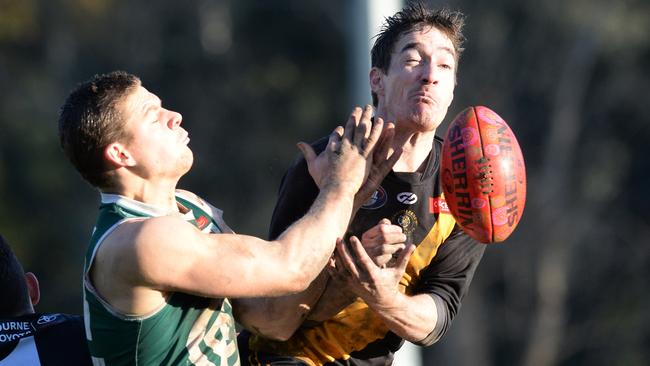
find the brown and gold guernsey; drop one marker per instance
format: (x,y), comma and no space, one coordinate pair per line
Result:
(442,265)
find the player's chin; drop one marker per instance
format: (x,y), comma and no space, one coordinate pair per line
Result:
(426,119)
(187,161)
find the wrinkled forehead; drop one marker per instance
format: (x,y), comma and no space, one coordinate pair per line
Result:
(426,37)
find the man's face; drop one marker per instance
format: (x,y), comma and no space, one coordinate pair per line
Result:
(155,139)
(419,85)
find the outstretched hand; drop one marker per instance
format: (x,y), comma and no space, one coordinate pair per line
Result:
(382,164)
(357,155)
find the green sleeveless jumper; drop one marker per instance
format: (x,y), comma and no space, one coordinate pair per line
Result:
(186,330)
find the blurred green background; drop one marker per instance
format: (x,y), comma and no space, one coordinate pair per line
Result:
(252,78)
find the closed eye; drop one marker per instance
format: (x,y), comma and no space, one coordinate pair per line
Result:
(412,61)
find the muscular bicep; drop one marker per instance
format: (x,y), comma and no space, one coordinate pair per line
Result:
(172,255)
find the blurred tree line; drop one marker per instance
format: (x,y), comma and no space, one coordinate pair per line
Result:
(251,78)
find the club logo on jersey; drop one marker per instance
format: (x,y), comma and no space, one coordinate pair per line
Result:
(212,337)
(407,220)
(202,222)
(438,205)
(377,200)
(407,198)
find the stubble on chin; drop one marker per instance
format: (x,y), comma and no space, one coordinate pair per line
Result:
(425,120)
(186,161)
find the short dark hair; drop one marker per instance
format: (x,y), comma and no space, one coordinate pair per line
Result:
(90,120)
(412,17)
(13,288)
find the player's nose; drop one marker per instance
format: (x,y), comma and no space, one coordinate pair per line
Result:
(174,119)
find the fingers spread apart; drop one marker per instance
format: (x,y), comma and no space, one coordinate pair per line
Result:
(364,133)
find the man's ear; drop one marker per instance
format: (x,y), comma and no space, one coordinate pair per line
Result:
(376,77)
(117,155)
(33,288)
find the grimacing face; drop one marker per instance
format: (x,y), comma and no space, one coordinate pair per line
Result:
(157,141)
(419,85)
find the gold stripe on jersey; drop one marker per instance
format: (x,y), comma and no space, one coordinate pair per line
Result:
(428,248)
(338,337)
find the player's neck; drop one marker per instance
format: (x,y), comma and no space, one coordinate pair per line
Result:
(416,144)
(416,148)
(160,194)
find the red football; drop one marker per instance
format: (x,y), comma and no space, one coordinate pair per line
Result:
(483,175)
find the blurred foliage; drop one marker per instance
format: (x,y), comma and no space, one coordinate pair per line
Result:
(252,78)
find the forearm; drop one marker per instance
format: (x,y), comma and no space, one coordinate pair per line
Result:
(334,299)
(307,245)
(335,296)
(410,317)
(279,317)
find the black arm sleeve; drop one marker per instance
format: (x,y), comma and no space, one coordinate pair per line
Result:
(447,278)
(296,195)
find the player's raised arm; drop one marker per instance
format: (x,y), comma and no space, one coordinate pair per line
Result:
(230,265)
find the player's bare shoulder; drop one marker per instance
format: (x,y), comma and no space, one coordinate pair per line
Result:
(143,237)
(161,231)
